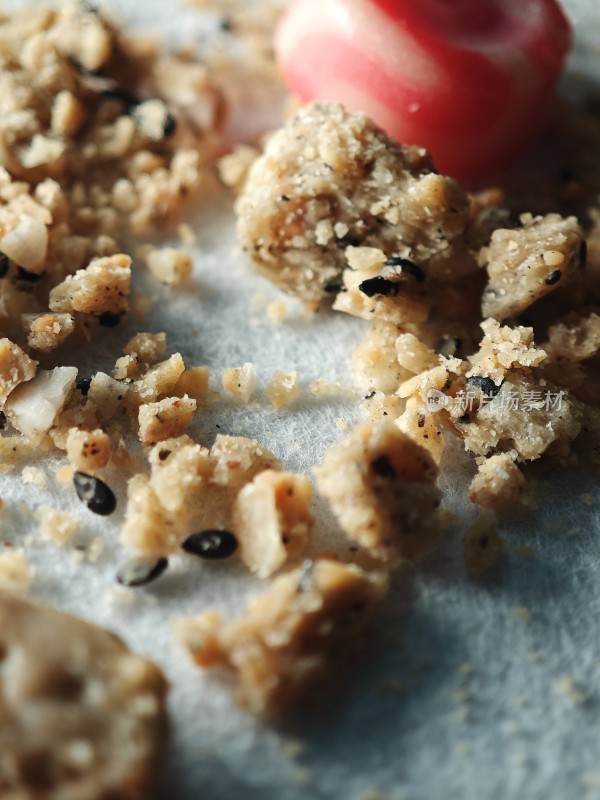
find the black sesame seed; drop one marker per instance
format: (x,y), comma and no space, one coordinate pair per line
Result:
(4,263)
(487,385)
(129,100)
(226,24)
(349,240)
(97,496)
(378,285)
(2,420)
(83,384)
(553,278)
(407,266)
(141,571)
(169,125)
(29,277)
(211,544)
(109,320)
(334,286)
(383,467)
(284,198)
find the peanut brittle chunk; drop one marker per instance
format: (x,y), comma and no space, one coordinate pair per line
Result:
(329,179)
(82,717)
(381,487)
(290,634)
(528,263)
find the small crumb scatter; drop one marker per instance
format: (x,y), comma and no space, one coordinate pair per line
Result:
(276,311)
(34,477)
(283,389)
(482,545)
(240,381)
(169,266)
(16,573)
(119,597)
(567,687)
(55,525)
(522,613)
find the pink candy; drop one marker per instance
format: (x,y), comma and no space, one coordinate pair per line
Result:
(470,80)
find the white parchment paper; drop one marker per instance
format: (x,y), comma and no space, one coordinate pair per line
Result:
(462,691)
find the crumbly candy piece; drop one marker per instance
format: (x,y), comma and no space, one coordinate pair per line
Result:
(180,468)
(46,332)
(528,415)
(503,348)
(272,520)
(328,173)
(149,527)
(290,635)
(88,450)
(16,574)
(56,526)
(106,396)
(574,338)
(156,383)
(15,367)
(378,407)
(147,347)
(527,263)
(165,419)
(423,427)
(82,716)
(382,291)
(283,389)
(498,482)
(193,382)
(101,288)
(238,460)
(169,266)
(375,364)
(381,486)
(27,244)
(234,167)
(34,406)
(240,381)
(482,546)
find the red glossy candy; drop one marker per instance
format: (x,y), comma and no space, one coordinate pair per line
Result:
(470,80)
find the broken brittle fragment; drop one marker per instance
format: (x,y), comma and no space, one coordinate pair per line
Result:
(289,635)
(272,520)
(381,486)
(330,179)
(525,264)
(101,288)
